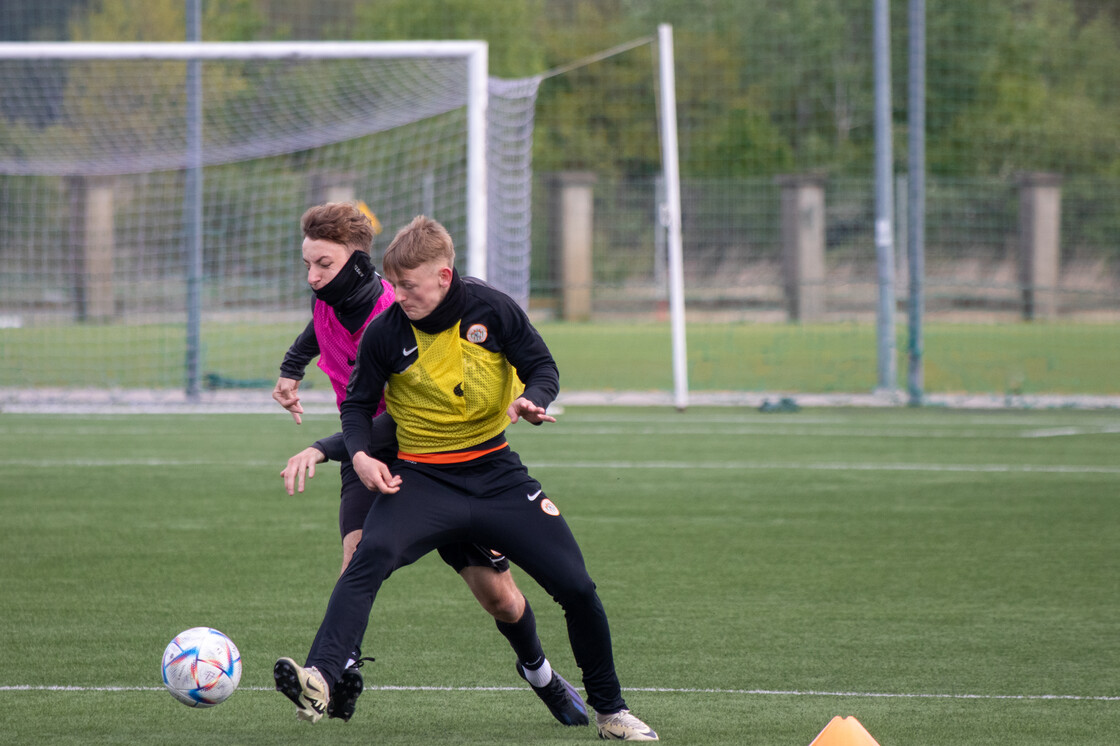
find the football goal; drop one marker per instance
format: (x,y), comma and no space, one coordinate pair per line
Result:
(150,193)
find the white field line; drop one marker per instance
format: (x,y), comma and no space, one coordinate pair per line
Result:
(703,465)
(658,690)
(243,401)
(808,431)
(824,417)
(67,421)
(799,427)
(580,431)
(83,463)
(761,465)
(1062,432)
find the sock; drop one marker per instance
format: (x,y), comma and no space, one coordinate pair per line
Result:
(522,636)
(539,676)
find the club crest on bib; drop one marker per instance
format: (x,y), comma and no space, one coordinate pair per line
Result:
(549,507)
(477,333)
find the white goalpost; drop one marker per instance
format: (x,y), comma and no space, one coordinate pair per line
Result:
(672,212)
(96,143)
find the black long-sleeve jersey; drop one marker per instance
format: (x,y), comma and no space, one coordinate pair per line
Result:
(437,381)
(304,349)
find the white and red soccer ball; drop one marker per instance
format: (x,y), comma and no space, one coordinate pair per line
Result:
(201,667)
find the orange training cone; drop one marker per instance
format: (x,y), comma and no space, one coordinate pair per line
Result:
(844,732)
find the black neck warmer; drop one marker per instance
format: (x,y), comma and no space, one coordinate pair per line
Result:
(449,310)
(353,291)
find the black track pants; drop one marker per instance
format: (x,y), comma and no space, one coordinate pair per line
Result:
(491,501)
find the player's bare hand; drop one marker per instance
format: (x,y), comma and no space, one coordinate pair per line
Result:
(287,394)
(524,409)
(375,475)
(300,468)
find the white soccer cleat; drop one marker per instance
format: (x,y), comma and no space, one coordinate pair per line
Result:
(622,726)
(306,687)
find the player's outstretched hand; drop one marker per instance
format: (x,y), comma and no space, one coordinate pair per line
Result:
(375,474)
(287,393)
(524,409)
(301,467)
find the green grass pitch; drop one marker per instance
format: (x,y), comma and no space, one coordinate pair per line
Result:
(1040,358)
(947,577)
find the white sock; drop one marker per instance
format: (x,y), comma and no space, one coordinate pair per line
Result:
(539,677)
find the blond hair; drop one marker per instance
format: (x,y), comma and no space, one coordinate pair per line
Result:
(421,241)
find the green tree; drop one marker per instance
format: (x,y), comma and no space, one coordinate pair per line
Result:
(762,86)
(164,20)
(771,86)
(602,114)
(129,107)
(1044,99)
(507,27)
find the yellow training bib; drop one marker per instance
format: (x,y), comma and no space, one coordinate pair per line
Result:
(454,396)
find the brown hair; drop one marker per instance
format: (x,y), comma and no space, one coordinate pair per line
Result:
(421,241)
(338,222)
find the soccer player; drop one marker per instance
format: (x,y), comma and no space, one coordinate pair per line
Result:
(348,296)
(447,357)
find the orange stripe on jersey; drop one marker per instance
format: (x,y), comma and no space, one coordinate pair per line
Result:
(452,457)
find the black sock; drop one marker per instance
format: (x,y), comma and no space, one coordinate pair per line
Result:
(522,636)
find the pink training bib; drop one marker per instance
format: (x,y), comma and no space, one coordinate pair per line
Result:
(338,348)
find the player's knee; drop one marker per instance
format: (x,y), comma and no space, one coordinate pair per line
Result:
(349,544)
(496,593)
(577,594)
(503,606)
(507,606)
(370,561)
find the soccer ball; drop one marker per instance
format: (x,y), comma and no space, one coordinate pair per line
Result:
(201,667)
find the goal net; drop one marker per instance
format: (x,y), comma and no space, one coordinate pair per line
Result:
(100,145)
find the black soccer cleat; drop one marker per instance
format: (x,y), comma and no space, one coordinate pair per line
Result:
(561,698)
(344,695)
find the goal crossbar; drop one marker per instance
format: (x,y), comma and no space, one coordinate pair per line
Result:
(218,50)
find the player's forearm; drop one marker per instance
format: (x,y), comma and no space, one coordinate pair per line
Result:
(333,447)
(357,426)
(543,385)
(363,395)
(527,352)
(536,368)
(355,431)
(303,350)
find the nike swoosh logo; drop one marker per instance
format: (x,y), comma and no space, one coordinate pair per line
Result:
(408,352)
(534,496)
